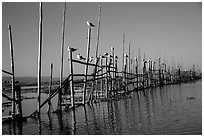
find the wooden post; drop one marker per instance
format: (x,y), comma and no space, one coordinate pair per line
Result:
(98,30)
(97,43)
(136,63)
(113,69)
(71,81)
(125,77)
(61,66)
(12,71)
(102,93)
(106,95)
(50,88)
(18,103)
(87,60)
(116,78)
(123,53)
(159,72)
(39,59)
(129,57)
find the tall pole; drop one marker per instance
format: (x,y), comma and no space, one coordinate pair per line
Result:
(129,57)
(106,94)
(113,58)
(87,60)
(50,88)
(98,30)
(61,67)
(12,71)
(71,82)
(39,57)
(101,57)
(97,43)
(123,51)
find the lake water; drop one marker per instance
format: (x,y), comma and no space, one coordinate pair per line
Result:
(163,111)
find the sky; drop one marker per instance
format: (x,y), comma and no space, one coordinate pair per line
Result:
(172,31)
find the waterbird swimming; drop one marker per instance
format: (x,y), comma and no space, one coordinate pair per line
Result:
(90,24)
(191,98)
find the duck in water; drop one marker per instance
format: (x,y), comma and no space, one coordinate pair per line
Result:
(190,98)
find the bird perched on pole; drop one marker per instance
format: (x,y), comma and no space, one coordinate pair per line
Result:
(101,56)
(90,59)
(126,55)
(90,24)
(105,54)
(71,49)
(80,57)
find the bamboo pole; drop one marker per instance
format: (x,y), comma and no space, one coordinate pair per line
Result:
(50,88)
(18,102)
(113,58)
(71,82)
(123,52)
(97,42)
(136,70)
(102,93)
(159,71)
(39,65)
(87,60)
(129,57)
(12,71)
(95,79)
(98,30)
(106,94)
(62,56)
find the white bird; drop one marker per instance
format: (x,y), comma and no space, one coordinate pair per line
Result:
(102,56)
(126,55)
(80,57)
(110,56)
(90,59)
(105,54)
(71,49)
(90,24)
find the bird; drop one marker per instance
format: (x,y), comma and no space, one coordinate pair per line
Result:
(116,57)
(90,59)
(90,24)
(126,55)
(110,56)
(101,56)
(105,54)
(71,49)
(80,57)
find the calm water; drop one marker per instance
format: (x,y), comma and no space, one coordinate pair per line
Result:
(155,111)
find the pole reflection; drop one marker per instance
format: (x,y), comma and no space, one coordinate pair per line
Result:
(50,121)
(73,121)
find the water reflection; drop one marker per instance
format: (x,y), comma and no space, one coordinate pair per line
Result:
(73,122)
(50,119)
(153,111)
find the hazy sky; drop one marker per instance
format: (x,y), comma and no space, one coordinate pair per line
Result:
(159,29)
